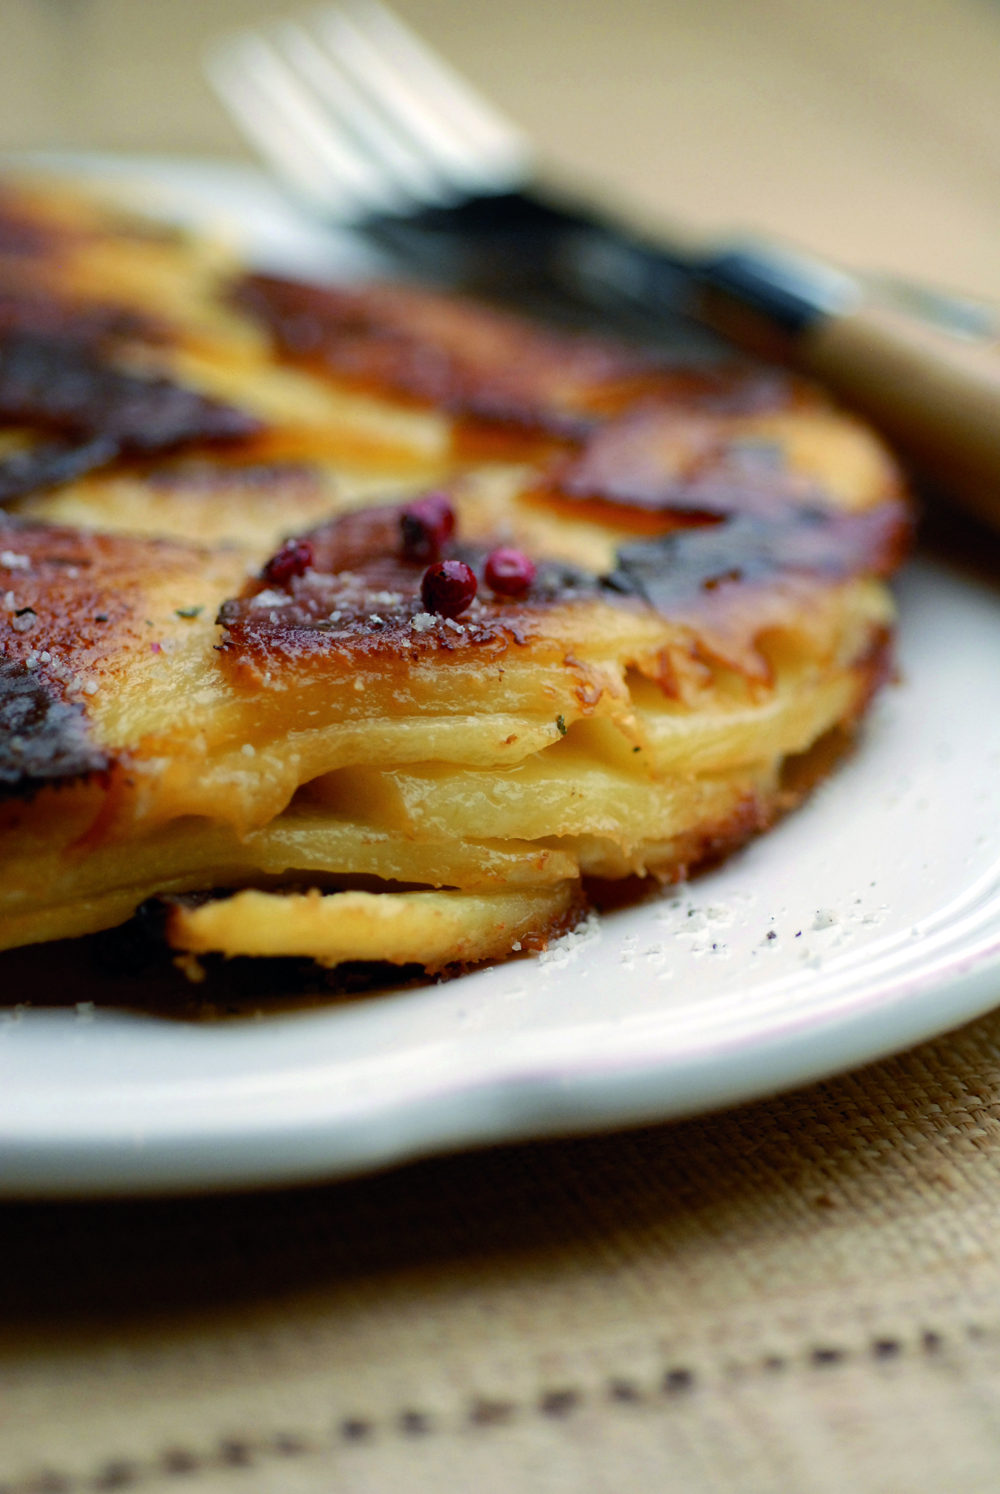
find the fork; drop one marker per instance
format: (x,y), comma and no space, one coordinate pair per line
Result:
(371,128)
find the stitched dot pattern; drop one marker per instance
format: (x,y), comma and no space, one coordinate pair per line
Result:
(676,1383)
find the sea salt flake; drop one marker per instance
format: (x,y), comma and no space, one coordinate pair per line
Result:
(422,622)
(564,949)
(11,561)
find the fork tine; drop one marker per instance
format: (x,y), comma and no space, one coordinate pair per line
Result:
(363,119)
(293,130)
(407,174)
(280,146)
(390,91)
(501,148)
(403,83)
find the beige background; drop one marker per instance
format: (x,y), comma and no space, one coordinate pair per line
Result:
(865,128)
(798,1297)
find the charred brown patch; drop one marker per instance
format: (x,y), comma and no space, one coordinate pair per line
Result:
(43,737)
(677,570)
(55,383)
(59,385)
(39,312)
(361,600)
(669,460)
(361,597)
(35,247)
(485,364)
(77,586)
(68,604)
(48,463)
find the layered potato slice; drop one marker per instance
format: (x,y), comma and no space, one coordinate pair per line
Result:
(433,929)
(291,749)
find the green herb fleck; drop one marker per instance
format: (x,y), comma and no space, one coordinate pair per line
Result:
(189,611)
(561,725)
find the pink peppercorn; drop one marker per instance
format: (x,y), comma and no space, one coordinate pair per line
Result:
(509,571)
(448,587)
(427,525)
(293,559)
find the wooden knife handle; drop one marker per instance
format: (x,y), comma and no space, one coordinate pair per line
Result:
(935,393)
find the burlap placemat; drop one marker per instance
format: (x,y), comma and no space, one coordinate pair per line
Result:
(800,1295)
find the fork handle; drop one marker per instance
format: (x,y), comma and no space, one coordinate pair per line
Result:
(934,393)
(923,366)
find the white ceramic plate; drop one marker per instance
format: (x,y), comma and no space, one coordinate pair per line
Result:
(866,921)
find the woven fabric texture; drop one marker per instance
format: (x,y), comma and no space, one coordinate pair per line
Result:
(802,1294)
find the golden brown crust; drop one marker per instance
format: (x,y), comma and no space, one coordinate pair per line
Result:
(70,606)
(725,580)
(707,543)
(486,364)
(360,604)
(52,385)
(687,463)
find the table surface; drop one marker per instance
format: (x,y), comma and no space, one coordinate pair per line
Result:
(802,1294)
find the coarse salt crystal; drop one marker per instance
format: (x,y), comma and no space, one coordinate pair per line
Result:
(14,562)
(422,622)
